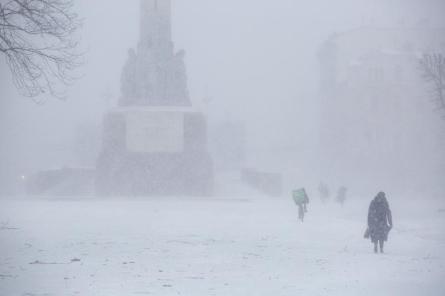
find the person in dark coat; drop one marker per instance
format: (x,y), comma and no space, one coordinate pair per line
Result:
(379,221)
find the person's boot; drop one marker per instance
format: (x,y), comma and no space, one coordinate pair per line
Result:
(375,248)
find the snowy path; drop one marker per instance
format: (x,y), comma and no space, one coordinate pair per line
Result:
(217,247)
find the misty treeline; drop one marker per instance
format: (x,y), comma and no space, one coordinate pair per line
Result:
(37,37)
(433,72)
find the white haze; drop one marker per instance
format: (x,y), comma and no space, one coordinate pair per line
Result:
(250,61)
(253,60)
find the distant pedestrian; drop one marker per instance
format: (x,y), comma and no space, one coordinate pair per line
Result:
(301,212)
(341,195)
(379,221)
(301,199)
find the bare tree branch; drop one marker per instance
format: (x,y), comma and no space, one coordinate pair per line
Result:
(37,39)
(433,72)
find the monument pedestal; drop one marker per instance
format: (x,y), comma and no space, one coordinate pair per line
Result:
(154,151)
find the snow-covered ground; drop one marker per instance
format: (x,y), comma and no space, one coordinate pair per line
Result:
(220,246)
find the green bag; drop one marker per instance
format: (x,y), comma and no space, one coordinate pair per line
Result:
(300,196)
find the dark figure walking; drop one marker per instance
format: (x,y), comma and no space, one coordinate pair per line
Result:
(379,221)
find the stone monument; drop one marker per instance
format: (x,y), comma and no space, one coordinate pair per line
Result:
(154,74)
(154,142)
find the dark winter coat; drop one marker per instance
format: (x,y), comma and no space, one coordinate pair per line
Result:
(379,219)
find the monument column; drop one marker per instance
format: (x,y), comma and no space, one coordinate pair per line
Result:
(156,23)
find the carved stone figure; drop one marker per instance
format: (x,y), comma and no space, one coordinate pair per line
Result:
(154,75)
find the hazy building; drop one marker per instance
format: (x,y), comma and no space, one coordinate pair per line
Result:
(377,117)
(227,143)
